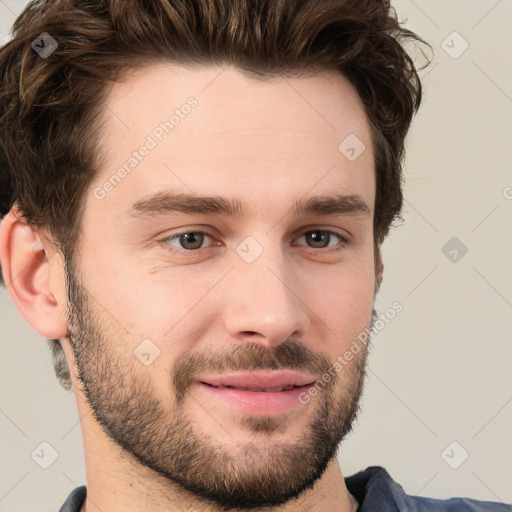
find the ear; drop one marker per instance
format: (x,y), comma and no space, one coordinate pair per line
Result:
(25,260)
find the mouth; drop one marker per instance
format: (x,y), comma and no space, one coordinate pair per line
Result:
(256,393)
(263,390)
(266,381)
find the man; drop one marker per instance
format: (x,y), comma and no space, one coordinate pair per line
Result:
(195,195)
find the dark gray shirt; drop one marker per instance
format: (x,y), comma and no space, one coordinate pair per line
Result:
(375,491)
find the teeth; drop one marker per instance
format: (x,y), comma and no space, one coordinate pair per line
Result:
(269,390)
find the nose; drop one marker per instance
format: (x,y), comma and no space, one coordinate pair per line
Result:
(263,303)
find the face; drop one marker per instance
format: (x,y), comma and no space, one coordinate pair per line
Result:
(169,298)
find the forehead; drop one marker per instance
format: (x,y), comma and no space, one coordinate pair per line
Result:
(210,128)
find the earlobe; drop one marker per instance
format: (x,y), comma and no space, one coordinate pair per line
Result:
(26,271)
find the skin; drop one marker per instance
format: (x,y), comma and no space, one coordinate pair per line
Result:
(152,441)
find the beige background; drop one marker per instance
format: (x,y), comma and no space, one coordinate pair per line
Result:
(441,370)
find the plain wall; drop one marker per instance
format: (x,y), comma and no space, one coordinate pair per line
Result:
(440,371)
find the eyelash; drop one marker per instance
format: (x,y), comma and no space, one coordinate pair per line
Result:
(341,244)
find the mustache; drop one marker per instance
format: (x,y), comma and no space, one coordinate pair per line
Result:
(290,355)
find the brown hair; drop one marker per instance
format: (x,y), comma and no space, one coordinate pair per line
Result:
(50,107)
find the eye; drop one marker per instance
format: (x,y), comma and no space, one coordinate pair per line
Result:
(321,238)
(189,241)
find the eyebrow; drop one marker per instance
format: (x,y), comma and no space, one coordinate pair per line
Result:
(163,203)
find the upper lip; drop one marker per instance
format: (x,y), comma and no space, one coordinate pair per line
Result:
(259,379)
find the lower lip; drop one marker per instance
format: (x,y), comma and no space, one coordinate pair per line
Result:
(257,402)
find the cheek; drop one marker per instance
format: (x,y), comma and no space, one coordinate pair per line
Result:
(161,306)
(343,299)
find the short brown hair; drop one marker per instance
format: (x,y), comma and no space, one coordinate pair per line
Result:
(50,108)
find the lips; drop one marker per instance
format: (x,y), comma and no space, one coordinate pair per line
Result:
(266,390)
(260,381)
